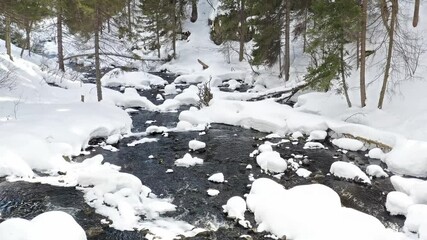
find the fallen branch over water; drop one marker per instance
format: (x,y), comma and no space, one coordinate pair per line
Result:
(133,57)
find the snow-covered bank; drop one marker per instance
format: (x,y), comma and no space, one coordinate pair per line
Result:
(47,226)
(407,156)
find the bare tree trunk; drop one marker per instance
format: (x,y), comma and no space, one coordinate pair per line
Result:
(129,8)
(157,35)
(97,58)
(416,13)
(287,60)
(59,37)
(28,27)
(344,83)
(242,30)
(363,54)
(8,41)
(305,30)
(194,12)
(175,25)
(391,29)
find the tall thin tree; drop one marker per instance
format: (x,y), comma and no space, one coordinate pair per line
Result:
(363,53)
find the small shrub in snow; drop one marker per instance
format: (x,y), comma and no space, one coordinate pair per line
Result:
(205,94)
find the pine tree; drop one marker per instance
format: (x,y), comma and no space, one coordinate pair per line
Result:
(335,25)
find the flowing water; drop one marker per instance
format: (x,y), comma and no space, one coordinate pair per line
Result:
(227,151)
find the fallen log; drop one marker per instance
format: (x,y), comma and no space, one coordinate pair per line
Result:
(134,57)
(204,65)
(279,94)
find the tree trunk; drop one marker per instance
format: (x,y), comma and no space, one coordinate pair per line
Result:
(97,58)
(391,27)
(194,12)
(344,83)
(242,30)
(305,30)
(28,27)
(287,60)
(129,8)
(8,41)
(416,13)
(175,25)
(157,35)
(363,54)
(59,37)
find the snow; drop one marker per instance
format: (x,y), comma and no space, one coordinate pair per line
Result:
(270,161)
(302,172)
(349,171)
(142,141)
(292,214)
(46,226)
(217,178)
(265,148)
(196,145)
(297,135)
(376,153)
(317,135)
(188,161)
(376,171)
(138,80)
(212,192)
(348,144)
(235,208)
(416,217)
(170,89)
(113,139)
(397,203)
(313,145)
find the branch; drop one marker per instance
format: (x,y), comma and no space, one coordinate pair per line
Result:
(117,55)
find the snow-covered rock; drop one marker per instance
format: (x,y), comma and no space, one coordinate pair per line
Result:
(188,161)
(317,135)
(217,178)
(46,226)
(416,217)
(271,161)
(212,192)
(265,148)
(302,172)
(196,145)
(235,207)
(313,145)
(170,89)
(375,171)
(349,171)
(376,153)
(139,80)
(348,144)
(397,203)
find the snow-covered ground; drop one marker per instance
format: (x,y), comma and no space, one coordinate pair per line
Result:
(40,124)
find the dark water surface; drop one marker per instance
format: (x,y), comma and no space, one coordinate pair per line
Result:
(227,151)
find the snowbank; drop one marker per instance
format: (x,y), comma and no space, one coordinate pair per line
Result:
(46,226)
(292,213)
(138,80)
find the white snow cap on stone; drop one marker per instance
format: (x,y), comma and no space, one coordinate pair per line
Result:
(212,192)
(235,207)
(348,171)
(272,162)
(397,203)
(348,144)
(265,148)
(196,145)
(376,171)
(217,177)
(376,153)
(46,226)
(188,161)
(317,135)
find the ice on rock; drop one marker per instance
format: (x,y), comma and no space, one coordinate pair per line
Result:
(196,145)
(235,208)
(297,135)
(348,144)
(46,226)
(397,203)
(265,148)
(188,161)
(217,178)
(313,145)
(302,172)
(375,171)
(348,171)
(170,89)
(317,135)
(272,162)
(212,192)
(113,139)
(376,153)
(156,129)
